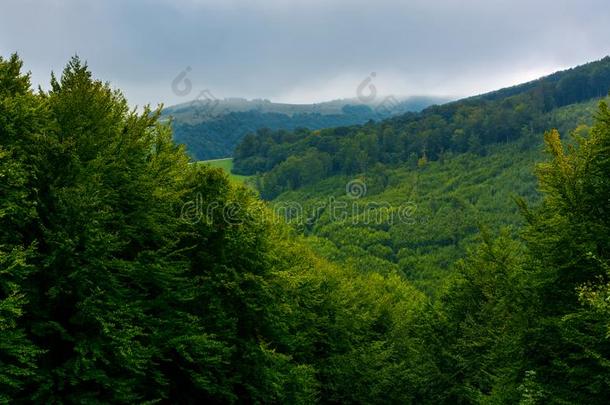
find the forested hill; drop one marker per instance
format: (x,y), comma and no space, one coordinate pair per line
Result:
(211,128)
(573,85)
(451,200)
(290,160)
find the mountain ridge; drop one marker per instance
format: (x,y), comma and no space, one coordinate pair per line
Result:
(212,128)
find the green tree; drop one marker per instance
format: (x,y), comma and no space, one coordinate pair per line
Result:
(21,121)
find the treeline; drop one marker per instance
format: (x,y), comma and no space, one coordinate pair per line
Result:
(469,125)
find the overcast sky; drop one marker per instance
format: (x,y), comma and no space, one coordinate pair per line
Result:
(305,51)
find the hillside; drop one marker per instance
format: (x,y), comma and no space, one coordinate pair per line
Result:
(452,194)
(211,129)
(470,125)
(415,222)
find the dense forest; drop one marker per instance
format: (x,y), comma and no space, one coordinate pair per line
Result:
(451,200)
(211,129)
(129,275)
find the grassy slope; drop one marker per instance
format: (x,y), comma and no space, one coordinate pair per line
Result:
(227,166)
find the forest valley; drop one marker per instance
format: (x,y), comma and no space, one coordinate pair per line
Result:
(498,292)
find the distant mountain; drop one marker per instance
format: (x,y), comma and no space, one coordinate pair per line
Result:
(211,128)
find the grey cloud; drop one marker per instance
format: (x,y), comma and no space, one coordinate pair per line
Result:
(306,50)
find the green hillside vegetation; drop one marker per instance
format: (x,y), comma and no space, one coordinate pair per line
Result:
(449,200)
(129,275)
(453,195)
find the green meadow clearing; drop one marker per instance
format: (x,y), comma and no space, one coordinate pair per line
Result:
(226,165)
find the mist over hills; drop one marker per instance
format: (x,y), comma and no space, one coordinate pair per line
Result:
(211,128)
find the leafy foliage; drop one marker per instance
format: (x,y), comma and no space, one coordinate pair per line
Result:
(108,295)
